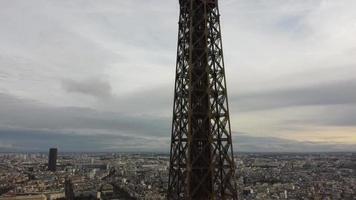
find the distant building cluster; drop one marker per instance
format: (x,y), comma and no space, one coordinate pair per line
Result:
(297,176)
(145,176)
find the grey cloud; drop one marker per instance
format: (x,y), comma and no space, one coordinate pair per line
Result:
(337,99)
(93,87)
(156,100)
(335,115)
(334,93)
(244,142)
(327,104)
(39,140)
(15,112)
(29,125)
(340,116)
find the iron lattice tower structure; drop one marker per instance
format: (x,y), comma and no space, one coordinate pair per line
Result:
(201,162)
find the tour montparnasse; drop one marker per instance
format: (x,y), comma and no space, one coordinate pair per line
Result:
(201,162)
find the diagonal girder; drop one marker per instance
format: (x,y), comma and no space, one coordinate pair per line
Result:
(201,163)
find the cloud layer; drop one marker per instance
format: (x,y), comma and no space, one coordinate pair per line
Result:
(102,72)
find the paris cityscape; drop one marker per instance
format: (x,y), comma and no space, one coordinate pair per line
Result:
(145,176)
(128,100)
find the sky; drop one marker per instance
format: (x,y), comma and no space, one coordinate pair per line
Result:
(88,75)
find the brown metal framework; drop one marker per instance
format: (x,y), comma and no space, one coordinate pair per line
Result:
(201,163)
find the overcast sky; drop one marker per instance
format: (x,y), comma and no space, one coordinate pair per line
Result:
(89,75)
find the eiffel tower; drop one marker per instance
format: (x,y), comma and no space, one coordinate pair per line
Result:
(201,159)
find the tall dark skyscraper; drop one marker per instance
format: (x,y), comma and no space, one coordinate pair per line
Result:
(202,166)
(52,159)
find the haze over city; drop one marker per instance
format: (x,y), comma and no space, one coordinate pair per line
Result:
(99,75)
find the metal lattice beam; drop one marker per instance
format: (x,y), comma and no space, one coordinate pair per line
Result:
(201,163)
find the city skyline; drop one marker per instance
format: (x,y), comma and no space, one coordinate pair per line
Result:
(85,75)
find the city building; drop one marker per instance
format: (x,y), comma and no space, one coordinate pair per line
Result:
(52,159)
